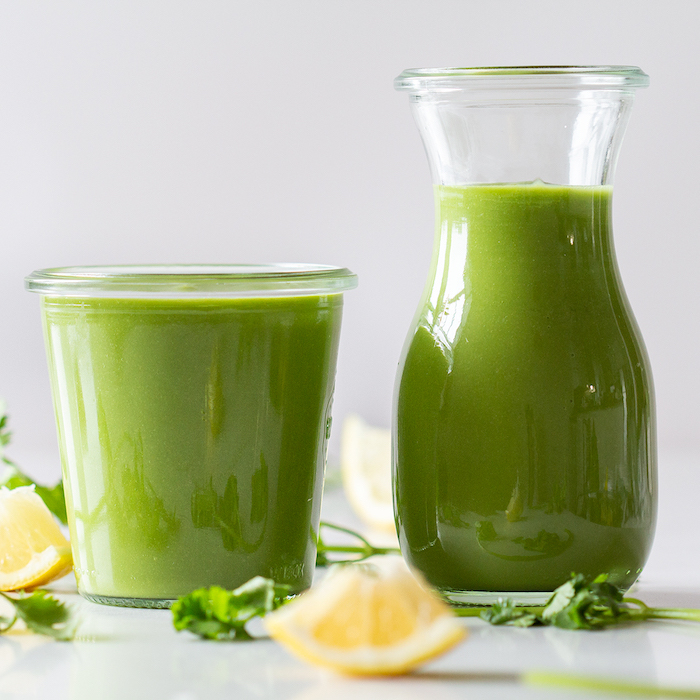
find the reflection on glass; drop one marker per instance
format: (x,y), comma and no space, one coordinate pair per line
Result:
(223,512)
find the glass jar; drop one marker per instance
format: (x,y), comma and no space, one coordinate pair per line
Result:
(193,406)
(524,432)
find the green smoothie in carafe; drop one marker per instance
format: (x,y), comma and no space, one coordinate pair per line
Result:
(524,445)
(193,435)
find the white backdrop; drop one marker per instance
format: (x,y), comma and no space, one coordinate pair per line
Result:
(223,131)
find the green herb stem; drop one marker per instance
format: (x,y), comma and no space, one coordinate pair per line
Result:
(645,612)
(604,685)
(7,622)
(367,551)
(687,614)
(360,552)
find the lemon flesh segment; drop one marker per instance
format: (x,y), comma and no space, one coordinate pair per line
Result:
(365,461)
(367,619)
(33,550)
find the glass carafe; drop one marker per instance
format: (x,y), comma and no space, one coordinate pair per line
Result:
(524,431)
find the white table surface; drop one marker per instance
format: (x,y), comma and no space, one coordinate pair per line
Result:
(132,654)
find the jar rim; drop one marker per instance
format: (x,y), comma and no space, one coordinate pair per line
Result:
(581,77)
(192,280)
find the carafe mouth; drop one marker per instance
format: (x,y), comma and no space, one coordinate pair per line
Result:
(558,124)
(581,77)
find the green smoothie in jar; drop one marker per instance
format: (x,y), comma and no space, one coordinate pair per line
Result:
(524,410)
(193,410)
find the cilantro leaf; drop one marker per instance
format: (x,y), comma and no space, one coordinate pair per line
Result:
(5,434)
(580,604)
(55,500)
(215,613)
(505,612)
(584,604)
(43,614)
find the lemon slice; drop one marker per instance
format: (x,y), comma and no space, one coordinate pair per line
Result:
(33,551)
(371,618)
(365,461)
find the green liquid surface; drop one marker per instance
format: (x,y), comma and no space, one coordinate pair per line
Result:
(193,438)
(525,445)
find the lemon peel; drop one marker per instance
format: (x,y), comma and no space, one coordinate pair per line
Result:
(365,462)
(372,618)
(33,550)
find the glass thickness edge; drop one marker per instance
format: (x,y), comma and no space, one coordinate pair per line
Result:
(192,281)
(601,77)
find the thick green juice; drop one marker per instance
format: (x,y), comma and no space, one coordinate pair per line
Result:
(193,438)
(524,443)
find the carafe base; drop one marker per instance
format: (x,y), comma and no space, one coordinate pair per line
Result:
(486,598)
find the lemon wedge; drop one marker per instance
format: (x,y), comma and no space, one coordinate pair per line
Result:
(33,550)
(370,618)
(365,461)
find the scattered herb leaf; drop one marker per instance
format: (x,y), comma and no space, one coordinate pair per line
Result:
(505,612)
(358,552)
(5,434)
(42,613)
(580,604)
(584,604)
(215,613)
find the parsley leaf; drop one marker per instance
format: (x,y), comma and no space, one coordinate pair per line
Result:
(580,604)
(215,613)
(583,604)
(5,434)
(42,613)
(505,612)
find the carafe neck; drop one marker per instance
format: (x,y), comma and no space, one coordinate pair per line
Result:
(561,126)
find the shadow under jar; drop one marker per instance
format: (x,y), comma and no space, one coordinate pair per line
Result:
(193,406)
(524,431)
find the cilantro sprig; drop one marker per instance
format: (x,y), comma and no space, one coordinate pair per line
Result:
(218,614)
(580,604)
(215,613)
(362,550)
(42,613)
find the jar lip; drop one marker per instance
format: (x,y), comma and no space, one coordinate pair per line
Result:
(581,77)
(192,281)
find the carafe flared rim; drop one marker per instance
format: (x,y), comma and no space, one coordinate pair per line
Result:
(418,80)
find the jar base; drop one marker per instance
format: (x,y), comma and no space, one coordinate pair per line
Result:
(485,598)
(152,603)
